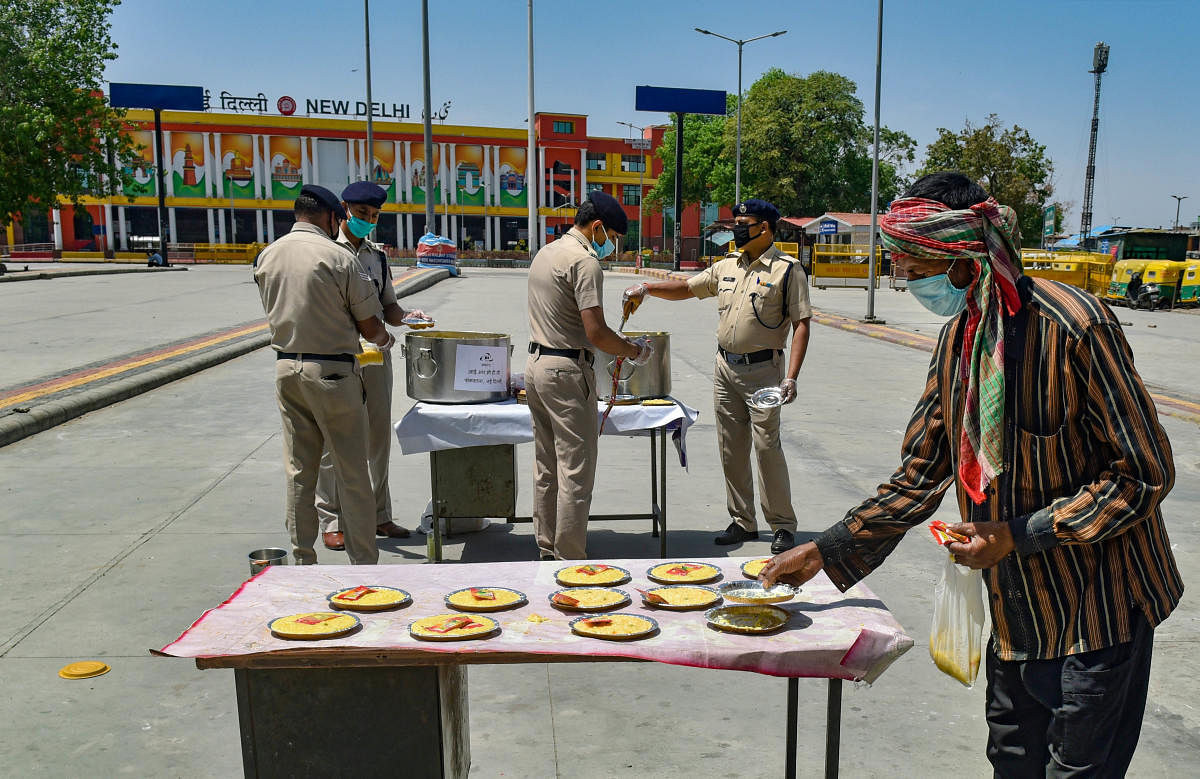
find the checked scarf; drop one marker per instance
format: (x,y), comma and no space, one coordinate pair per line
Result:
(987,235)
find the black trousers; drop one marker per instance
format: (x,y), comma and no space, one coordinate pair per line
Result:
(1074,716)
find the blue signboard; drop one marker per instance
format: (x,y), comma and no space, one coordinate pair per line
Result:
(164,96)
(680,101)
(828,227)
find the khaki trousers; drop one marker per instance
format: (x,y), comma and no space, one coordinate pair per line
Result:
(377,383)
(739,425)
(562,402)
(316,412)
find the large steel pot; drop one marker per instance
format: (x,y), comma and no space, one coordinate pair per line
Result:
(446,366)
(652,380)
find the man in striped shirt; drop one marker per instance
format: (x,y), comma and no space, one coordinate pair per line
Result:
(1034,411)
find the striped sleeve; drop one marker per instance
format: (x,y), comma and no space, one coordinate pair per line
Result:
(1138,468)
(859,543)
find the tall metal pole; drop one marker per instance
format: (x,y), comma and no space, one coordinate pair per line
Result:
(429,227)
(370,123)
(737,164)
(1099,65)
(678,245)
(875,172)
(642,192)
(1178,202)
(232,215)
(163,230)
(532,173)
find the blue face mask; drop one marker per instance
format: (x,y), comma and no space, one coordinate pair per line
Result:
(938,295)
(606,248)
(359,228)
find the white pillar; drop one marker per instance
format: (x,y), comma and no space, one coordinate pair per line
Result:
(314,162)
(122,230)
(399,171)
(582,175)
(404,191)
(306,174)
(258,219)
(171,237)
(207,152)
(220,214)
(212,238)
(169,163)
(542,230)
(110,242)
(258,167)
(270,226)
(268,186)
(218,168)
(56,217)
(452,176)
(409,239)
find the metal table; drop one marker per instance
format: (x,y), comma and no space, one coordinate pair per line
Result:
(472,470)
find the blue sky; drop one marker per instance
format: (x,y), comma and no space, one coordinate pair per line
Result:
(1026,61)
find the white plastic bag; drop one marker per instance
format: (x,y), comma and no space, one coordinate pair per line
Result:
(956,635)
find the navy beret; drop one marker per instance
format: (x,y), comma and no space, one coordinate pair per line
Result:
(325,198)
(609,211)
(760,208)
(365,192)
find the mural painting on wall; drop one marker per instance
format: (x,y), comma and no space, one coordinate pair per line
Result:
(237,165)
(141,166)
(469,175)
(286,174)
(383,168)
(416,173)
(512,176)
(187,165)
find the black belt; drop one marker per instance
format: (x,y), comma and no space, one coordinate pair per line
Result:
(762,355)
(574,354)
(310,356)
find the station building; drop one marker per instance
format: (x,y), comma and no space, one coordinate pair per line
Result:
(231,178)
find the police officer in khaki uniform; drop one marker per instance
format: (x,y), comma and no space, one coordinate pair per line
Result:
(362,201)
(759,291)
(566,321)
(318,299)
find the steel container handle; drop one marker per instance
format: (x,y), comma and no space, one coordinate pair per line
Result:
(425,354)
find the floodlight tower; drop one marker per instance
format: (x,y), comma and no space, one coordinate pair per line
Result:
(1099,65)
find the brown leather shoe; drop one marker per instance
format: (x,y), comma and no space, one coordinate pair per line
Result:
(391,530)
(335,541)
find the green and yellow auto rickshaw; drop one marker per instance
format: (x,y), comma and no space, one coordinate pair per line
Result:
(1124,272)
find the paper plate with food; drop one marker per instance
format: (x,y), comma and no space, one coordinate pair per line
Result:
(752,569)
(589,598)
(485,599)
(615,627)
(314,625)
(754,592)
(680,597)
(369,597)
(680,573)
(453,627)
(747,618)
(591,574)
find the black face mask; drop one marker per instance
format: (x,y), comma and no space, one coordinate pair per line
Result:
(741,234)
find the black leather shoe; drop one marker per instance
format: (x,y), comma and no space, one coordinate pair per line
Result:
(782,542)
(734,534)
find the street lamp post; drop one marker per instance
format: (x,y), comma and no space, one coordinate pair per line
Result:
(875,175)
(370,155)
(737,180)
(1178,202)
(641,184)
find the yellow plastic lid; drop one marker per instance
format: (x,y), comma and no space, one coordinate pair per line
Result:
(84,669)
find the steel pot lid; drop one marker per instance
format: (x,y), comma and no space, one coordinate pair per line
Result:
(767,397)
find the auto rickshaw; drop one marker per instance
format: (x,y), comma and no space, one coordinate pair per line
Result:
(1123,272)
(1165,274)
(1189,283)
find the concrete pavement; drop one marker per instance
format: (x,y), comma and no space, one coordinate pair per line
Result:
(120,528)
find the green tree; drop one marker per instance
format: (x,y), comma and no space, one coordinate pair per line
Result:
(58,136)
(1007,162)
(805,147)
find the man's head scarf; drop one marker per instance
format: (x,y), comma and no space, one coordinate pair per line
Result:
(986,235)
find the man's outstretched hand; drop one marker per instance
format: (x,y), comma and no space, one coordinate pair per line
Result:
(795,566)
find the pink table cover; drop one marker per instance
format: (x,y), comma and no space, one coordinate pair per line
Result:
(831,634)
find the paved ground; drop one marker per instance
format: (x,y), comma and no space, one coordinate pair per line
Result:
(121,527)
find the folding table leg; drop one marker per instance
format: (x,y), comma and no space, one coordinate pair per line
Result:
(654,530)
(433,542)
(793,722)
(833,728)
(662,493)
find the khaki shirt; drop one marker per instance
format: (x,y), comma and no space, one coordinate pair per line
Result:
(374,262)
(313,291)
(564,278)
(733,281)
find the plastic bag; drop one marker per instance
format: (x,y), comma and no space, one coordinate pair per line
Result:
(956,635)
